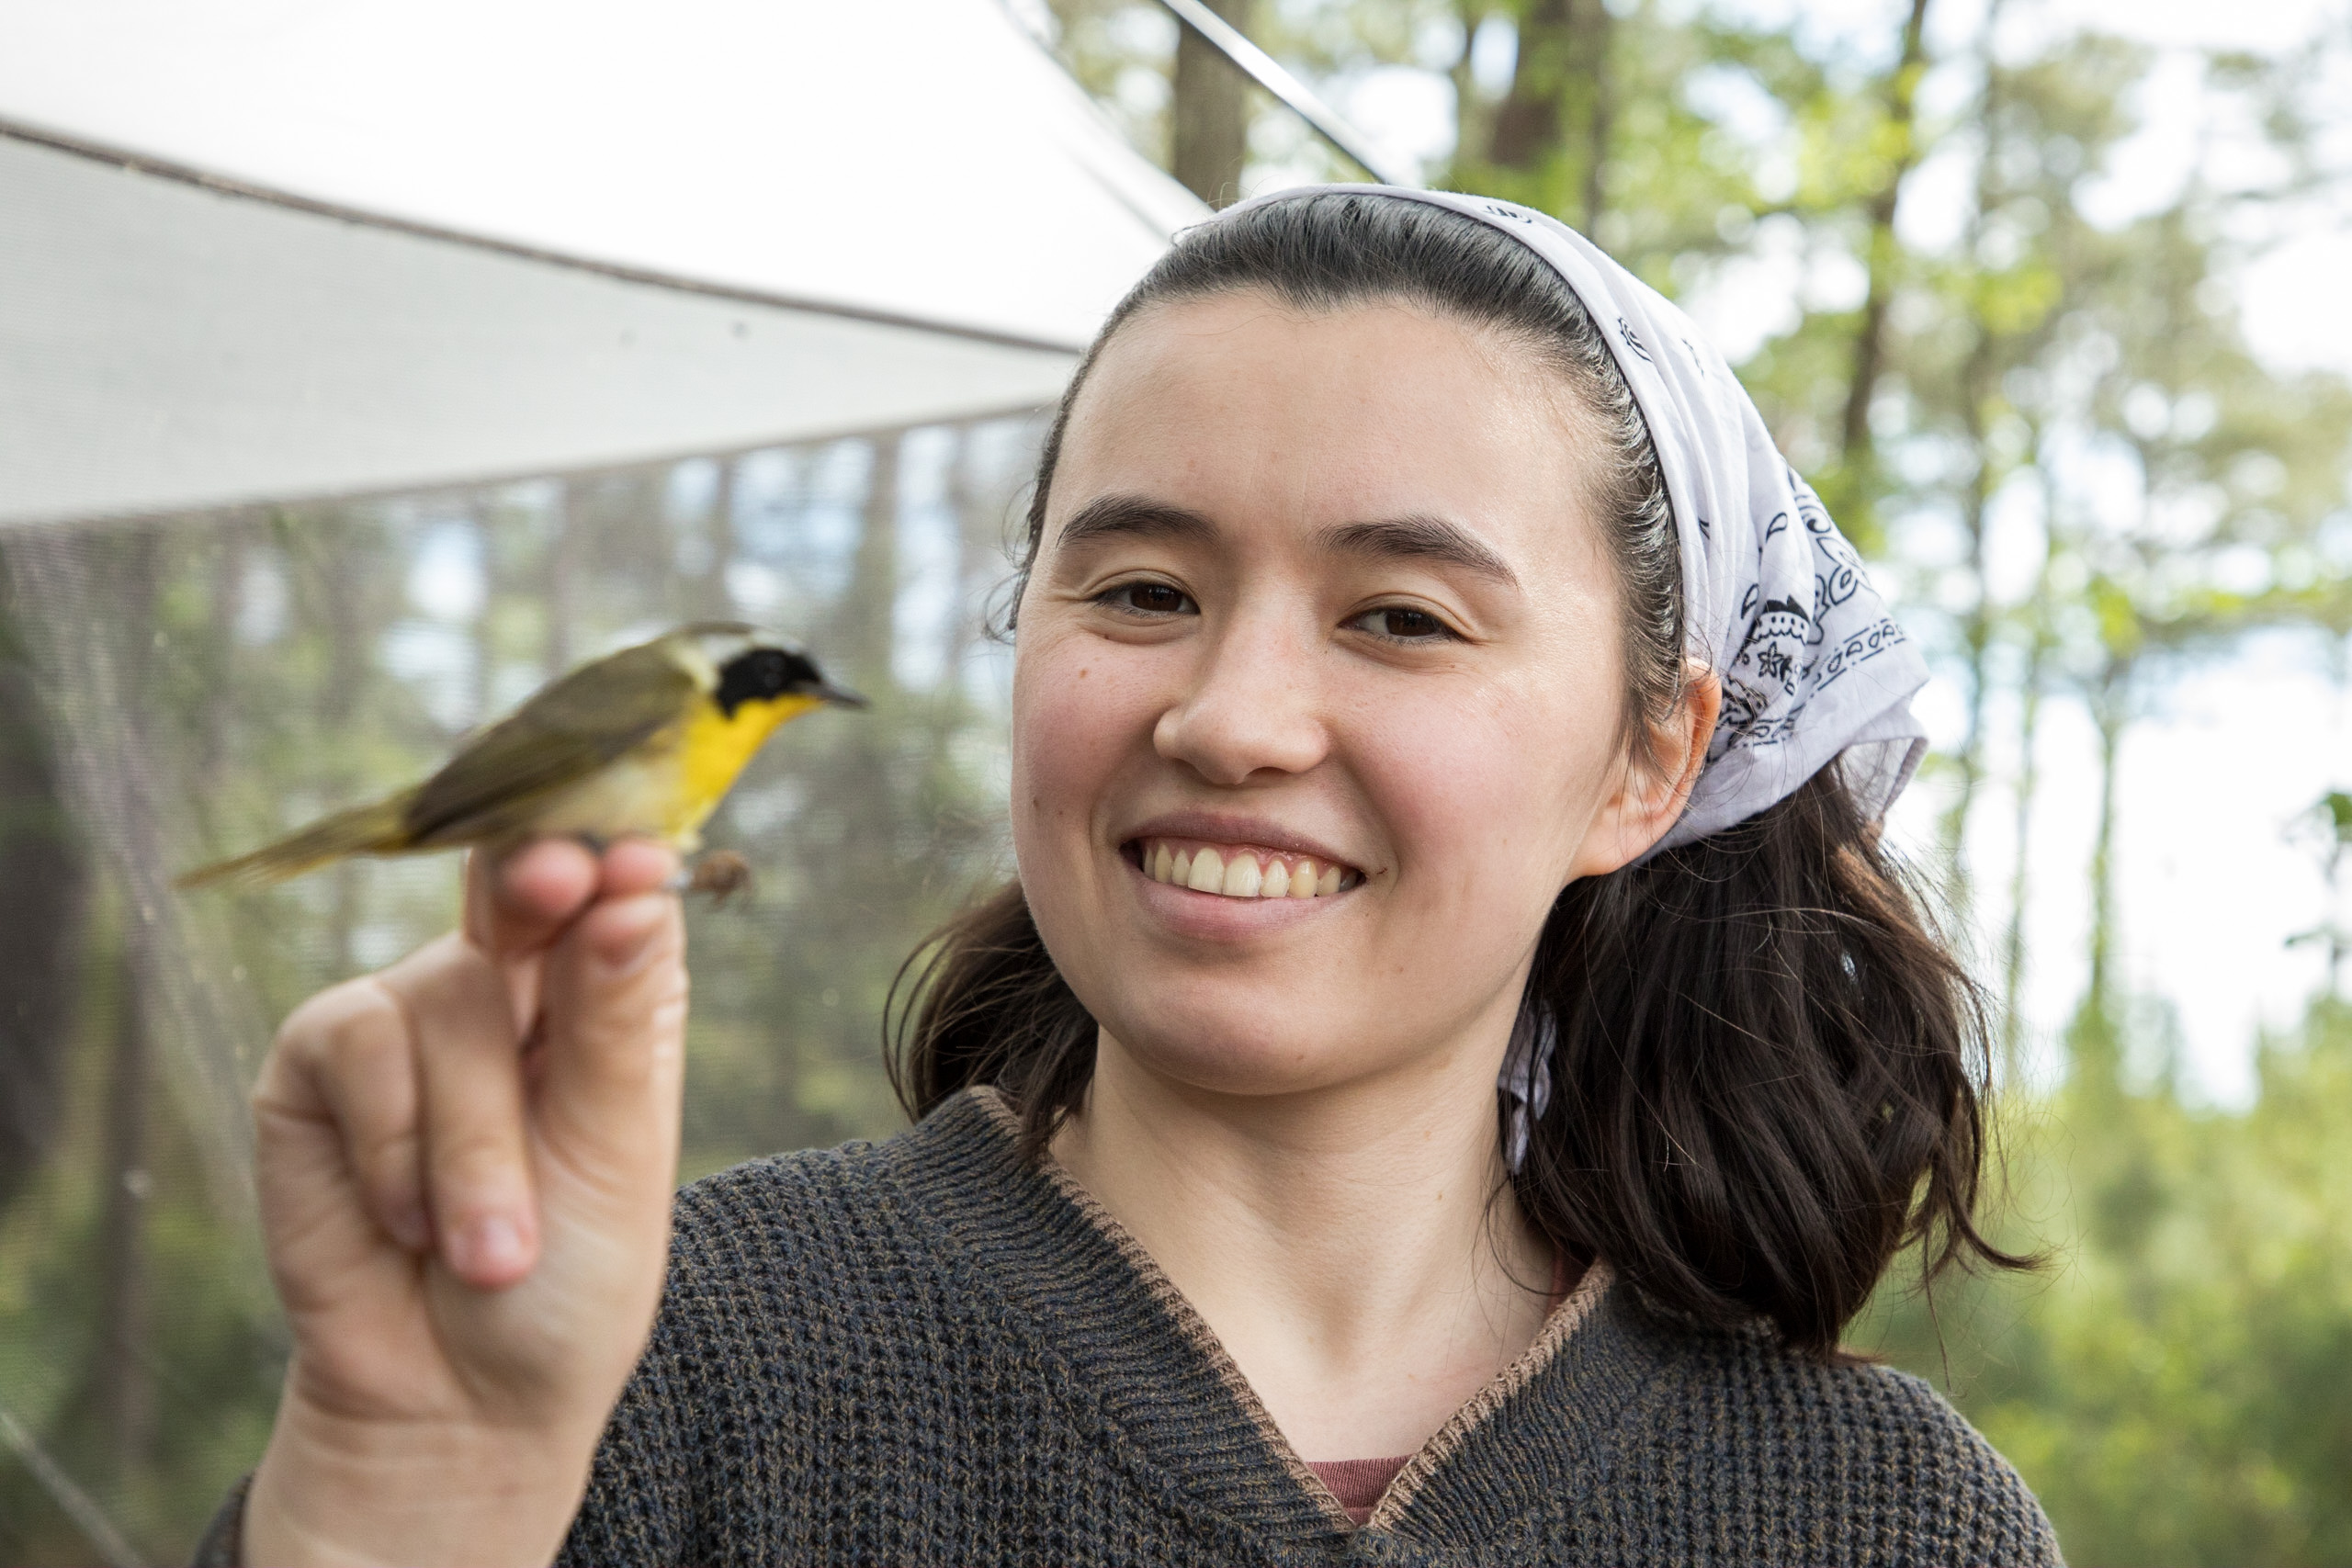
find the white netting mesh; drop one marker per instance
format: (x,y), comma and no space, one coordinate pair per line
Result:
(177,690)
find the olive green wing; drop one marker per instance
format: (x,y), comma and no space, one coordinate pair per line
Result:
(599,712)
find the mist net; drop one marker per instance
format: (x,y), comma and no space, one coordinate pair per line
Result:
(178,689)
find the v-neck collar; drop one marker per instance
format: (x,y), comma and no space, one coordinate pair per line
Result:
(1058,1255)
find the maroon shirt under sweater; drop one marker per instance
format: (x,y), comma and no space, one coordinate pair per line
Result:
(1358,1483)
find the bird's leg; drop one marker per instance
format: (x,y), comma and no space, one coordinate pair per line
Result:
(722,873)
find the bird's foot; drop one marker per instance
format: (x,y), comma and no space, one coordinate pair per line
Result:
(722,873)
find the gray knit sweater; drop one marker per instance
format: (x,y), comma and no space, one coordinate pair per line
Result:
(923,1351)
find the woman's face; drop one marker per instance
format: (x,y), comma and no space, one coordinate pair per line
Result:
(1316,704)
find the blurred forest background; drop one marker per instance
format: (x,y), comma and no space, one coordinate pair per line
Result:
(2045,422)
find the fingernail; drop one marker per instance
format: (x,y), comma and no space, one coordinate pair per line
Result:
(491,1245)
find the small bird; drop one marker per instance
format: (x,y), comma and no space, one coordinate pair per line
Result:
(645,741)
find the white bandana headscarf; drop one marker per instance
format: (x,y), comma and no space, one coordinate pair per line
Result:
(1812,667)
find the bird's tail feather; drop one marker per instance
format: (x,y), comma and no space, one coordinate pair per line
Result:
(376,828)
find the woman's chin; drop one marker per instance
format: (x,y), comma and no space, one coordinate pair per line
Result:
(1239,1055)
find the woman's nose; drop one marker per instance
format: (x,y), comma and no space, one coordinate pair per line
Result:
(1252,706)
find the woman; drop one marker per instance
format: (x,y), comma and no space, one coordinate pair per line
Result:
(1429,679)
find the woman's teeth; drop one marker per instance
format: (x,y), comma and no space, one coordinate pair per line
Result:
(1235,872)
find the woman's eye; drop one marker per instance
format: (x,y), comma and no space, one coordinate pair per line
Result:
(1148,599)
(1402,623)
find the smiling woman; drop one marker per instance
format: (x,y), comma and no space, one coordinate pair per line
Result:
(1454,1057)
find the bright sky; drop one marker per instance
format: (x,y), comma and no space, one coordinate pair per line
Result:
(2209,883)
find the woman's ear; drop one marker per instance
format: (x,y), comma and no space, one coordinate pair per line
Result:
(1656,780)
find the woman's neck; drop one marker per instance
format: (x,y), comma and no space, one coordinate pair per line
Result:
(1348,1248)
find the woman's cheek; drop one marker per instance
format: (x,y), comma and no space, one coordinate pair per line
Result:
(1077,716)
(1485,799)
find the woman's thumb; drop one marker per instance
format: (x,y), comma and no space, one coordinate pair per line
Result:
(613,1041)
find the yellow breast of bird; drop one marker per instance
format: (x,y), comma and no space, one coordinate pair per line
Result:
(668,788)
(717,745)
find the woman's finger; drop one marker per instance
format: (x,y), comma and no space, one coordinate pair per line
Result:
(635,865)
(476,1159)
(322,1219)
(613,1066)
(365,1072)
(518,903)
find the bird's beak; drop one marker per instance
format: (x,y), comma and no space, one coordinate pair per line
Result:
(839,696)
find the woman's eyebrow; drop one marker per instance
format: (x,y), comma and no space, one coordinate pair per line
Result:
(1418,539)
(1134,517)
(1391,538)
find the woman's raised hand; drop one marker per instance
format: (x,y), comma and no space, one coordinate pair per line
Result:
(466,1164)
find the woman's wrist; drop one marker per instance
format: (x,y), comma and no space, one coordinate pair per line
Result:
(331,1489)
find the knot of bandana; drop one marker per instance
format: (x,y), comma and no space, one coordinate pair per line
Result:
(1775,600)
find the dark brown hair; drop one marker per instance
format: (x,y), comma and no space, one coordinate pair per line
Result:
(1767,1077)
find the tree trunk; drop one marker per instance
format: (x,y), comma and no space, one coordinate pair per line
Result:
(1472,118)
(1857,456)
(42,865)
(1594,22)
(1209,117)
(2339,942)
(870,605)
(485,627)
(1526,129)
(92,640)
(118,1405)
(339,707)
(1977,381)
(122,1395)
(2097,1034)
(716,603)
(977,564)
(216,741)
(2020,881)
(557,588)
(1548,143)
(1976,626)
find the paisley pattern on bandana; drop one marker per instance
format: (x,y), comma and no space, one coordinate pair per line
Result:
(1784,655)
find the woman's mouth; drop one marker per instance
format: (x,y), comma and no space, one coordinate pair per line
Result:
(1239,870)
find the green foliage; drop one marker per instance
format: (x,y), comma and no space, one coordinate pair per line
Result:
(2172,1386)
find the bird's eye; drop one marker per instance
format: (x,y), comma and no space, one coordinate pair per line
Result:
(1402,623)
(1147,598)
